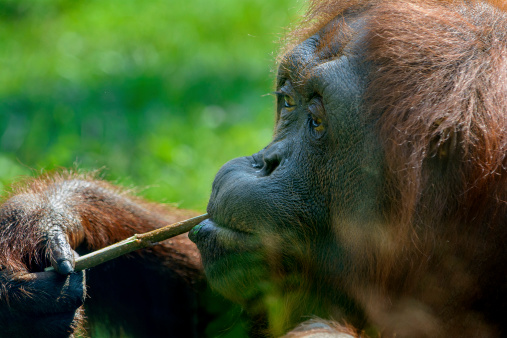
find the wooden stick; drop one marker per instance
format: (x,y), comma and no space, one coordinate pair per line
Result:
(138,241)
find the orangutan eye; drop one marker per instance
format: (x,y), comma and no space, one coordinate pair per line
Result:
(316,123)
(285,100)
(316,113)
(288,102)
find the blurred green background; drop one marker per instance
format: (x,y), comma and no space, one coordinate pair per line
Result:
(159,93)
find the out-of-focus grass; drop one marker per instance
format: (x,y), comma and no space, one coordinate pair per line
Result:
(161,93)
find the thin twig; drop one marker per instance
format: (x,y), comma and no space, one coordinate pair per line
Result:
(138,241)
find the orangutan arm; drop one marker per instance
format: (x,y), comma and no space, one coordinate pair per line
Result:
(46,220)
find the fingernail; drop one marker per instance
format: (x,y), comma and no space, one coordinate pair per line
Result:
(65,267)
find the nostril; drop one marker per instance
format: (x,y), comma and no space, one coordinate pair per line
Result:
(270,165)
(268,159)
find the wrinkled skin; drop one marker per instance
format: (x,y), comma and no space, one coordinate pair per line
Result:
(318,223)
(272,213)
(269,241)
(310,226)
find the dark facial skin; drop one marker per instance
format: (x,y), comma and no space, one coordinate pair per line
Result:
(273,214)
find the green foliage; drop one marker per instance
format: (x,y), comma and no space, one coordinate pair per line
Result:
(160,93)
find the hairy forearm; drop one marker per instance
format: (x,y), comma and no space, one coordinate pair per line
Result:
(107,214)
(46,220)
(90,213)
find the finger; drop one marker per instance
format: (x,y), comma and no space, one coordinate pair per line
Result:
(42,292)
(42,304)
(60,252)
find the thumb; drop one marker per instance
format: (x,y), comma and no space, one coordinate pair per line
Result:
(60,253)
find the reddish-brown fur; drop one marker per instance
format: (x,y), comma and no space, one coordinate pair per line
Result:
(439,98)
(438,95)
(104,222)
(95,214)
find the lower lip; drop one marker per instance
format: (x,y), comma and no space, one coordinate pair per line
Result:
(228,238)
(202,229)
